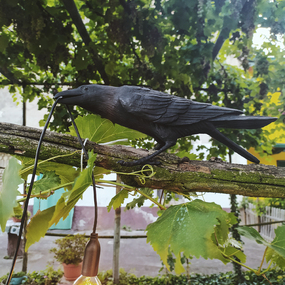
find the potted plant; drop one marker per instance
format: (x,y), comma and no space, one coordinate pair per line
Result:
(49,276)
(70,252)
(16,279)
(18,213)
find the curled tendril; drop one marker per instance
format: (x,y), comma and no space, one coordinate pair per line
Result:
(141,174)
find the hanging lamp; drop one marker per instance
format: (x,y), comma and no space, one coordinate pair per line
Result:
(91,257)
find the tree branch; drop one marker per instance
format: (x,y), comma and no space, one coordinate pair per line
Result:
(9,75)
(171,175)
(223,36)
(76,18)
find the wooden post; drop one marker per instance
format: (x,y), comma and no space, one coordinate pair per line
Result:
(116,246)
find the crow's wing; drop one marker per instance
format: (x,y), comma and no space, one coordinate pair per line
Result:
(162,108)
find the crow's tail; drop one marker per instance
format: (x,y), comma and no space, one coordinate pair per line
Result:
(241,122)
(215,134)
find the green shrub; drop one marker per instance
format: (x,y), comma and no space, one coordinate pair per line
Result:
(70,249)
(3,279)
(49,276)
(275,277)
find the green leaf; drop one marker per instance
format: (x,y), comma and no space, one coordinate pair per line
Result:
(278,244)
(277,259)
(252,234)
(140,200)
(9,192)
(118,200)
(48,181)
(38,226)
(232,251)
(110,68)
(66,173)
(70,198)
(276,250)
(101,130)
(4,41)
(188,228)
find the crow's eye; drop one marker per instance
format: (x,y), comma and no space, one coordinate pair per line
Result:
(85,88)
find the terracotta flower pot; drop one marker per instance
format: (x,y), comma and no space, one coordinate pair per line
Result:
(71,271)
(16,220)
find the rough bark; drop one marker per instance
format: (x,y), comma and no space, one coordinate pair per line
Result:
(173,174)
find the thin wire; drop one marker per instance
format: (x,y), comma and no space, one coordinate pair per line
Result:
(93,179)
(30,191)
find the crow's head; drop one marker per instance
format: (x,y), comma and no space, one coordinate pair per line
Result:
(78,95)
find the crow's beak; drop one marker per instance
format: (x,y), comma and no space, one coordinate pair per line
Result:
(69,93)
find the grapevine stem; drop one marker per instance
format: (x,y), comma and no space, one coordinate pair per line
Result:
(54,157)
(269,266)
(151,199)
(49,190)
(266,278)
(259,269)
(130,188)
(247,267)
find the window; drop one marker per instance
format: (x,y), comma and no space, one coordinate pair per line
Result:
(281,163)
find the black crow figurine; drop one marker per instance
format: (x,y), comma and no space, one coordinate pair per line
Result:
(161,116)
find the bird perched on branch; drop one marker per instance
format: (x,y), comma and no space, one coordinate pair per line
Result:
(161,116)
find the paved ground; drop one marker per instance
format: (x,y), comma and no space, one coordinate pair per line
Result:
(136,256)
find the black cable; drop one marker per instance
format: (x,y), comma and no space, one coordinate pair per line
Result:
(30,191)
(93,179)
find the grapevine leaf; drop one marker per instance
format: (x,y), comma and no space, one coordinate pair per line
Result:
(102,130)
(66,173)
(69,199)
(8,193)
(99,172)
(38,226)
(276,250)
(252,234)
(49,180)
(232,251)
(118,200)
(188,228)
(140,200)
(277,259)
(278,244)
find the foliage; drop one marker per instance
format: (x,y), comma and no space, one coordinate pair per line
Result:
(49,276)
(206,226)
(9,191)
(276,203)
(52,277)
(106,277)
(274,276)
(236,236)
(3,279)
(101,130)
(70,249)
(261,203)
(18,212)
